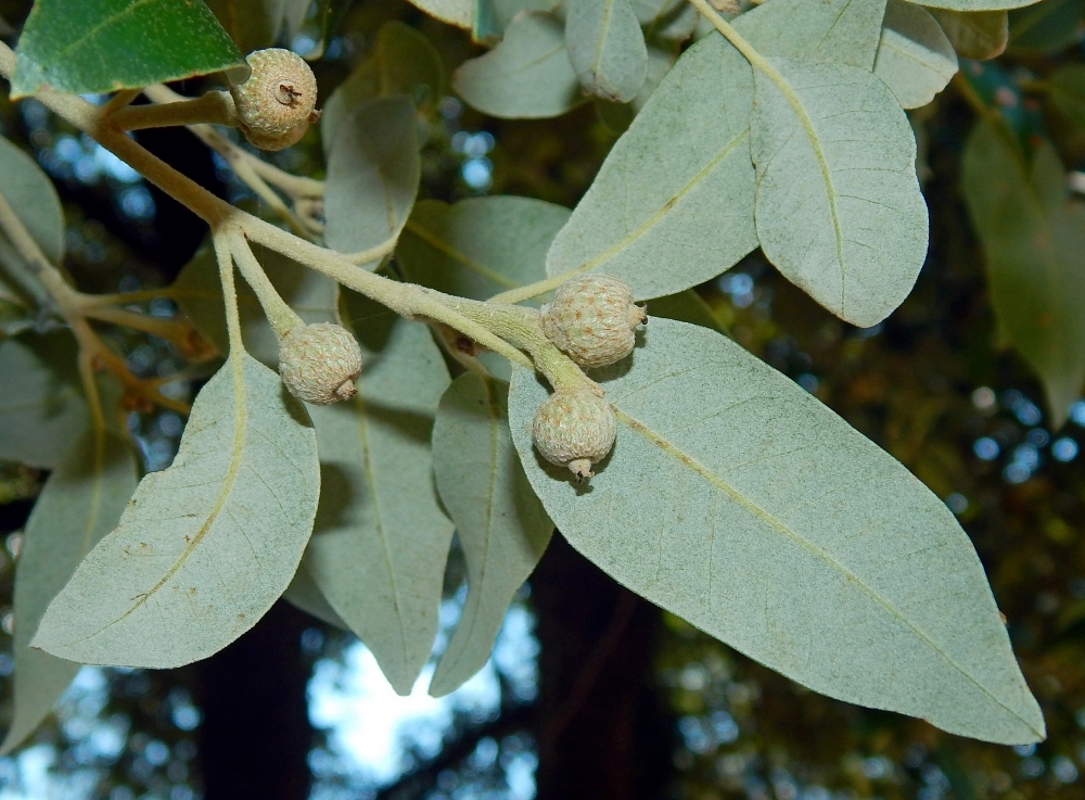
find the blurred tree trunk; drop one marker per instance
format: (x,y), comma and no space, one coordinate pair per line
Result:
(255,736)
(602,729)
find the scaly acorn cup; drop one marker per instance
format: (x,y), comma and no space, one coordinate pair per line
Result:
(593,319)
(276,104)
(319,363)
(574,429)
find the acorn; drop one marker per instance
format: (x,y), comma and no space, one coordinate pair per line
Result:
(278,101)
(319,363)
(593,319)
(574,429)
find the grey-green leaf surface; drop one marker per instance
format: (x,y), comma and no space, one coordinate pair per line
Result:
(500,13)
(839,210)
(306,595)
(528,74)
(403,61)
(204,547)
(252,24)
(606,48)
(673,203)
(80,503)
(1068,91)
(480,246)
(32,195)
(373,174)
(380,543)
(42,409)
(915,57)
(1034,240)
(980,34)
(198,292)
(669,20)
(502,526)
(460,13)
(105,45)
(737,501)
(978,5)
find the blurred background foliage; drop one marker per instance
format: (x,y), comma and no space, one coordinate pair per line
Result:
(619,700)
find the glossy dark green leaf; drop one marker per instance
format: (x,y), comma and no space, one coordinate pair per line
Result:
(80,503)
(528,75)
(1034,239)
(978,34)
(373,174)
(737,501)
(501,524)
(86,46)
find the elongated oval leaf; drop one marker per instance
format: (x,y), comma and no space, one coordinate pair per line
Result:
(205,546)
(737,501)
(80,503)
(528,75)
(380,543)
(502,526)
(403,61)
(1034,240)
(673,204)
(980,34)
(606,48)
(480,246)
(373,174)
(30,192)
(839,211)
(105,45)
(42,409)
(306,595)
(915,58)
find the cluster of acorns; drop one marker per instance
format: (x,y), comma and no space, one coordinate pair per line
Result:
(592,319)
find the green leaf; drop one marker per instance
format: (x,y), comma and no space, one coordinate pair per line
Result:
(41,406)
(673,204)
(204,547)
(373,174)
(499,14)
(528,75)
(80,503)
(915,58)
(503,528)
(251,25)
(34,198)
(198,292)
(460,13)
(606,48)
(839,210)
(1068,91)
(1034,240)
(1048,26)
(480,246)
(737,501)
(104,45)
(979,34)
(669,20)
(978,5)
(380,543)
(402,62)
(306,595)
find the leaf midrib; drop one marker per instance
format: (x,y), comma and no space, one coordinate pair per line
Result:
(711,478)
